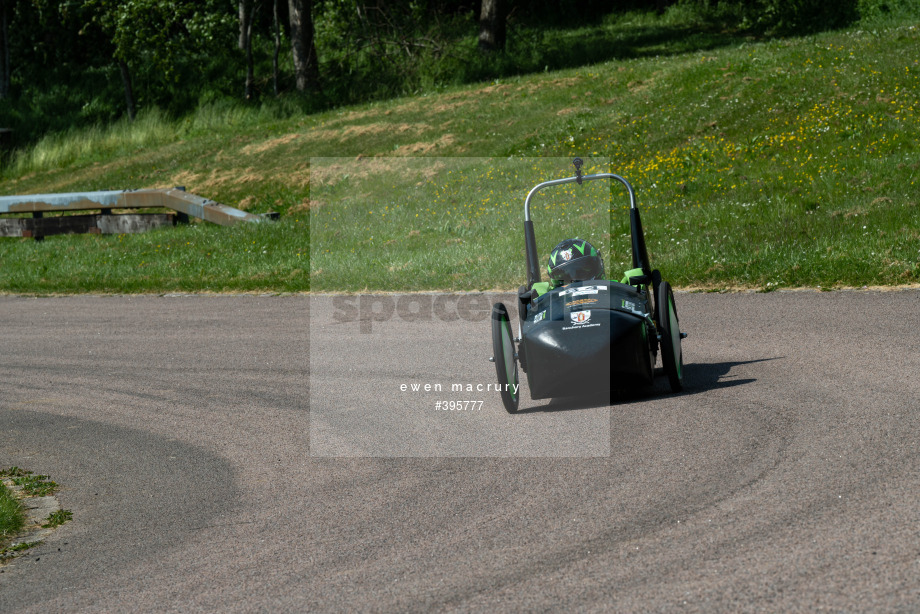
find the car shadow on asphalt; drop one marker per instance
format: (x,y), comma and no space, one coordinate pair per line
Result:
(703,377)
(698,377)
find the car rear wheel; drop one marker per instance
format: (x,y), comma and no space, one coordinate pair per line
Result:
(504,355)
(671,354)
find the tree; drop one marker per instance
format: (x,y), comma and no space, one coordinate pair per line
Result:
(245,21)
(306,71)
(246,10)
(276,31)
(4,51)
(168,44)
(130,105)
(492,25)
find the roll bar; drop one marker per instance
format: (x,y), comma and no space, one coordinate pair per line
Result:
(639,252)
(546,184)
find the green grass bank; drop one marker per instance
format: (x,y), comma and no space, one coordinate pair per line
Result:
(760,164)
(11,515)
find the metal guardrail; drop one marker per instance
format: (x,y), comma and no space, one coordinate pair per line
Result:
(177,199)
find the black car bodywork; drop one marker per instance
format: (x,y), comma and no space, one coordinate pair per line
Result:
(567,337)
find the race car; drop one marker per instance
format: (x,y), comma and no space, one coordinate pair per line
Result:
(580,333)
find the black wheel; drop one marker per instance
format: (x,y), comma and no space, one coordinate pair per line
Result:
(669,329)
(503,353)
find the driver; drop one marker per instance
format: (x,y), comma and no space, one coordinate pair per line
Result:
(570,261)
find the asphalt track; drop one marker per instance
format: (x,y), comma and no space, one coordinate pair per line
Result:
(785,478)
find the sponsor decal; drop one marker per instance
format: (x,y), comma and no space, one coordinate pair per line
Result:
(540,316)
(566,254)
(582,301)
(580,317)
(583,290)
(632,308)
(580,326)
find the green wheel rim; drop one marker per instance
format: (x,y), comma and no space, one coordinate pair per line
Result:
(675,338)
(508,351)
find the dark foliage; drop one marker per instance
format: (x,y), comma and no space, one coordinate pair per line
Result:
(66,58)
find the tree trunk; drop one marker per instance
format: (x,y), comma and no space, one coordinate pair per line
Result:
(277,48)
(4,53)
(250,71)
(247,12)
(492,25)
(129,89)
(303,47)
(245,26)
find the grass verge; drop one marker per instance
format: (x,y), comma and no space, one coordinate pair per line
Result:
(271,257)
(766,164)
(12,517)
(32,485)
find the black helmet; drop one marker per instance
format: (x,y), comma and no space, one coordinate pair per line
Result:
(575,260)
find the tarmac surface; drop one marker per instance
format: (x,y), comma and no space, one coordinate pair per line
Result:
(246,453)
